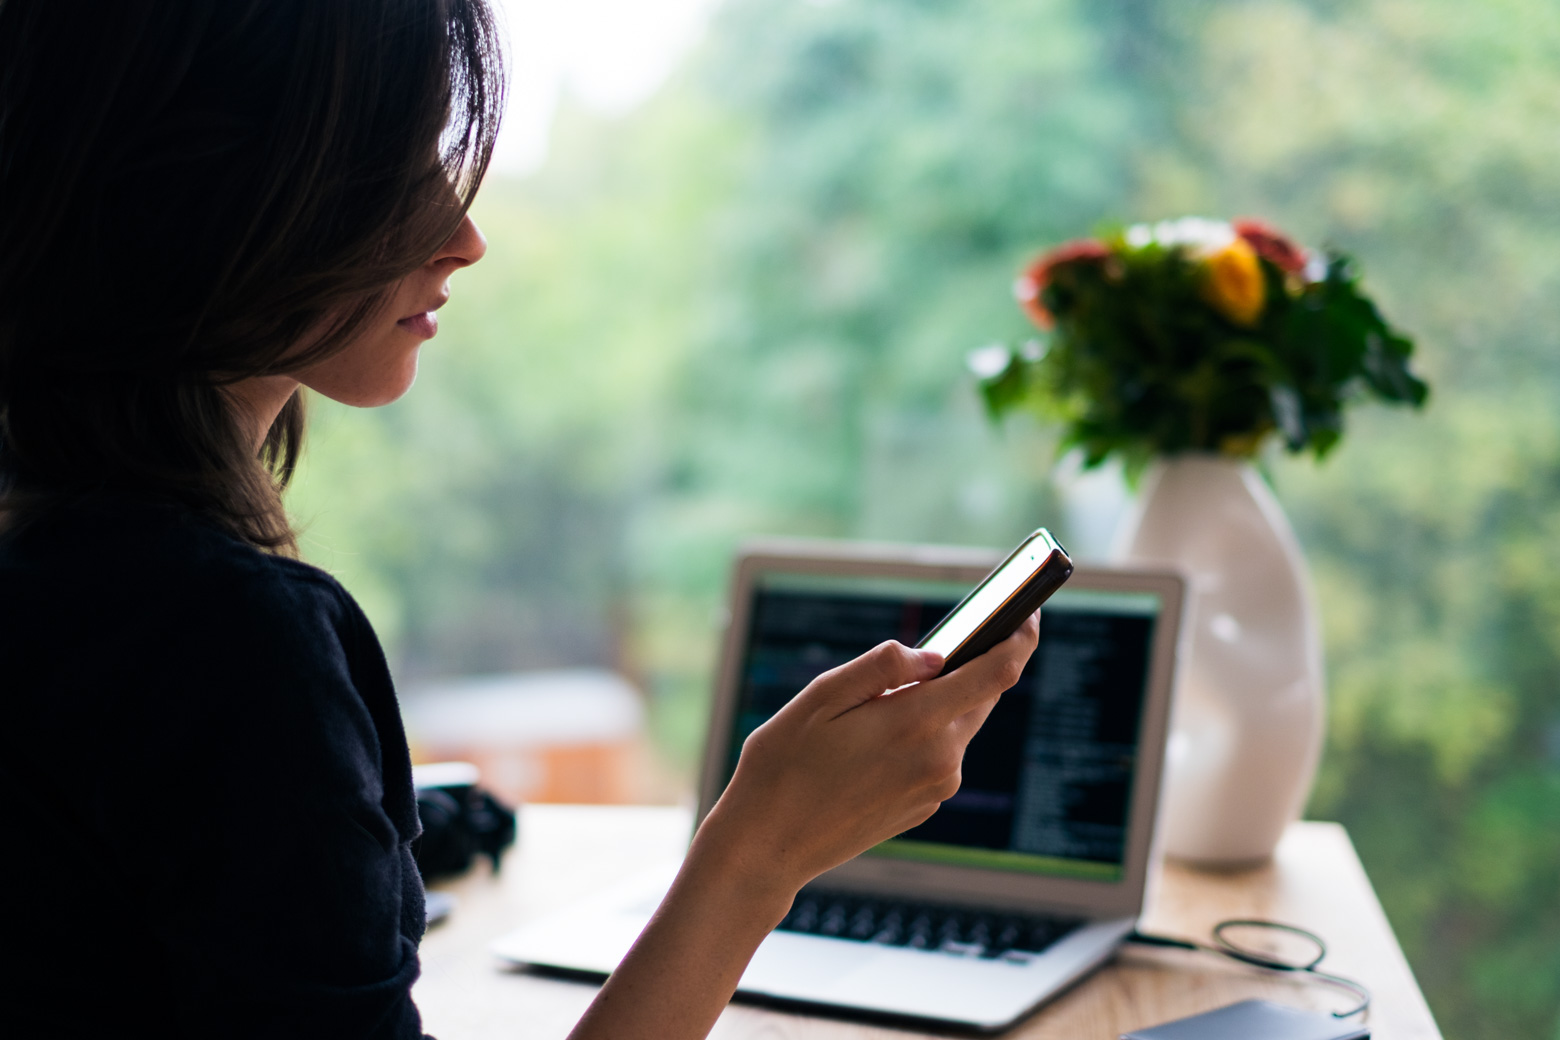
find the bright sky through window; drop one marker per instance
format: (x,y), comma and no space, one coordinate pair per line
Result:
(609,54)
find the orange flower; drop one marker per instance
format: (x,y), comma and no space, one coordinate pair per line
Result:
(1029,285)
(1232,283)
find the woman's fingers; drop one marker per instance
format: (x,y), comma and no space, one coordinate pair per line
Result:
(980,681)
(891,665)
(945,713)
(967,725)
(842,767)
(886,666)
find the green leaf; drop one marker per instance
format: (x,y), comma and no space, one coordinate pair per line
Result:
(1006,390)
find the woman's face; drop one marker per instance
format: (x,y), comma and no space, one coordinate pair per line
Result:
(380,362)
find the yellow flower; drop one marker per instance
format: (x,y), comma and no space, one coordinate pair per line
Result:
(1232,283)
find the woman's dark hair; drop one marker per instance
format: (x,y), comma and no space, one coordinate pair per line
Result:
(193,192)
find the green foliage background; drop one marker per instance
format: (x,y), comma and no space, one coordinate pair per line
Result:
(744,308)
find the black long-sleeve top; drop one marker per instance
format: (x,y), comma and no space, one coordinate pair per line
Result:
(210,795)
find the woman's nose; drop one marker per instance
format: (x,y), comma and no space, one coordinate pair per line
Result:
(464,248)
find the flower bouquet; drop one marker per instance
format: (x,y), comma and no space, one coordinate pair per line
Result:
(1187,344)
(1196,335)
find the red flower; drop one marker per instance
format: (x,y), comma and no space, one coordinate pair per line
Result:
(1272,245)
(1037,275)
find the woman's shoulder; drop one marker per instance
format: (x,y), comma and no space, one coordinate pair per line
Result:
(124,581)
(150,616)
(153,551)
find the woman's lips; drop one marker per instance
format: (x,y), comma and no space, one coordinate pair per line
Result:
(425,325)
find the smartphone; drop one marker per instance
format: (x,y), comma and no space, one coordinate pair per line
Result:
(1001,602)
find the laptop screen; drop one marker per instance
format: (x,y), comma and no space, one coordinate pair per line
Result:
(1047,780)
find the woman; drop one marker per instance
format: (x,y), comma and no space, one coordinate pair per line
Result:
(206,205)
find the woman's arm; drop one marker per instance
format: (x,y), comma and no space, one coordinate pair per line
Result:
(840,768)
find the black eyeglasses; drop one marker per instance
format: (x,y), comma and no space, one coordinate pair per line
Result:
(1270,946)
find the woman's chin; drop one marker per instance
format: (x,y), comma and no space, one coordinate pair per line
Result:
(366,389)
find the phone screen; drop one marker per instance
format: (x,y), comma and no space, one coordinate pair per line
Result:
(996,590)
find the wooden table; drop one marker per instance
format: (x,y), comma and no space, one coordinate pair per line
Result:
(566,852)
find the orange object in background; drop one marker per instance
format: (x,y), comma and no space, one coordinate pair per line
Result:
(577,774)
(570,735)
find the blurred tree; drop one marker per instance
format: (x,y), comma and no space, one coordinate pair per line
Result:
(744,309)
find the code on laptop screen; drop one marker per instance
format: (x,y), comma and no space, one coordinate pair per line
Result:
(1048,779)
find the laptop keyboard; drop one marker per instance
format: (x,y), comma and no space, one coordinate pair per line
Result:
(957,930)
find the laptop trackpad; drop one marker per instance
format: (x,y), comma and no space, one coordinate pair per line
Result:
(885,979)
(797,962)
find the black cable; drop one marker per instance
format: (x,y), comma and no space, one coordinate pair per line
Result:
(1225,947)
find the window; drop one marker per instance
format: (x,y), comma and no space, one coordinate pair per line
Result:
(743,307)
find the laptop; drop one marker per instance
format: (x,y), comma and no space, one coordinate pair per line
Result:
(1019,885)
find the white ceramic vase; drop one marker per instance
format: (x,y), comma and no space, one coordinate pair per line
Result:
(1246,729)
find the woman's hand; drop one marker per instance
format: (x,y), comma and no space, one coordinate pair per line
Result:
(847,764)
(858,756)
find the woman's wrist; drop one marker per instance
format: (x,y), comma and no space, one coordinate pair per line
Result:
(686,964)
(722,859)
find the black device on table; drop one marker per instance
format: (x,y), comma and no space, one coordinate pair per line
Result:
(1000,603)
(1254,1020)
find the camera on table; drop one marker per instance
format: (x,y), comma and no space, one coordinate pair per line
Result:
(460,820)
